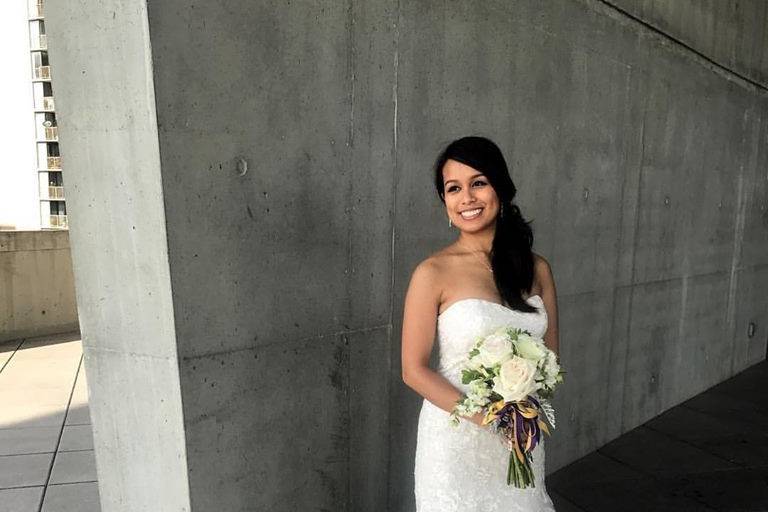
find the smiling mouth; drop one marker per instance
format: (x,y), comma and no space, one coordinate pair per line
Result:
(471,214)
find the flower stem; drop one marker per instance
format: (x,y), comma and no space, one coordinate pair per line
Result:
(520,474)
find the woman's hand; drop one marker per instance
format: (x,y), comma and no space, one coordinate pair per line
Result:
(477,419)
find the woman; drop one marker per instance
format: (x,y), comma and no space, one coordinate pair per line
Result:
(487,278)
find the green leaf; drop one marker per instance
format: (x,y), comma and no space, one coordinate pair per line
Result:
(468,376)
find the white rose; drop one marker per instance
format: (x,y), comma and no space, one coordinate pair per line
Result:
(516,379)
(529,348)
(495,348)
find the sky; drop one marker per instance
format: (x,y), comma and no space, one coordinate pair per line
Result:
(19,188)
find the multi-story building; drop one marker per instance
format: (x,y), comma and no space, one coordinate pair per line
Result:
(53,210)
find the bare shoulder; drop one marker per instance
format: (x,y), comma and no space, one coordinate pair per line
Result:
(542,270)
(428,273)
(427,270)
(439,260)
(424,293)
(540,263)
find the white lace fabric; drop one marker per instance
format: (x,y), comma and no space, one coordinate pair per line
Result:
(464,468)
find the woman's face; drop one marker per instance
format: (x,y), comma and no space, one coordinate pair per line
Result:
(470,200)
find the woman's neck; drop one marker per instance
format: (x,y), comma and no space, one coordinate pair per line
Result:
(480,241)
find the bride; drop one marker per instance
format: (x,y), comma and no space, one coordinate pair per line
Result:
(487,278)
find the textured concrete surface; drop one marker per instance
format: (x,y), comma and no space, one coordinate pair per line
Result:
(120,253)
(37,287)
(709,453)
(259,179)
(46,444)
(729,32)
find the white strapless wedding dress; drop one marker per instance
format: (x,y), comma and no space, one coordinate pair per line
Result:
(464,468)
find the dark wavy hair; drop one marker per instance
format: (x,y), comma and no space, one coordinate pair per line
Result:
(511,254)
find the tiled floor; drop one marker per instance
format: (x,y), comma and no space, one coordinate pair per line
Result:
(46,444)
(707,454)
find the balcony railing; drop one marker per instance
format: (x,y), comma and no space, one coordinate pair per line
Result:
(55,192)
(42,42)
(42,72)
(57,221)
(52,133)
(54,162)
(48,103)
(37,11)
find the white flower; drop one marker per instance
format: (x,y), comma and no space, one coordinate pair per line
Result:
(550,369)
(516,379)
(495,349)
(473,363)
(479,392)
(530,347)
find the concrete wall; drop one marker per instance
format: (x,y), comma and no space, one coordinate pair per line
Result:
(37,290)
(731,33)
(259,180)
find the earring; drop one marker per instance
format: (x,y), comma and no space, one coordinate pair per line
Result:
(450,223)
(501,211)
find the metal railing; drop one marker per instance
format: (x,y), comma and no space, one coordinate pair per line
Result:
(55,192)
(57,221)
(48,103)
(37,11)
(42,72)
(52,133)
(42,42)
(54,162)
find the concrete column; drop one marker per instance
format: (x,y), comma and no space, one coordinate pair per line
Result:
(119,244)
(230,188)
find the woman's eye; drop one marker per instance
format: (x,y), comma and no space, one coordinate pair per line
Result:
(480,182)
(452,188)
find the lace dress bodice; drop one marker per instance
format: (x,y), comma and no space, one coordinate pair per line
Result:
(463,321)
(463,468)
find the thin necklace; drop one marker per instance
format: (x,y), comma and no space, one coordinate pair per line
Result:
(482,260)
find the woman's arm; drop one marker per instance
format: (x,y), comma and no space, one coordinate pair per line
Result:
(549,296)
(422,302)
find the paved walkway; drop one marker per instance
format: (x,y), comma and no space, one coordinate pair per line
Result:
(46,444)
(707,454)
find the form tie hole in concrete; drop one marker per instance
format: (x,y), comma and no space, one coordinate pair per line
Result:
(586,194)
(751,330)
(666,200)
(242,166)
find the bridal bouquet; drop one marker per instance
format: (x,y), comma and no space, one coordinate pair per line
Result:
(504,370)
